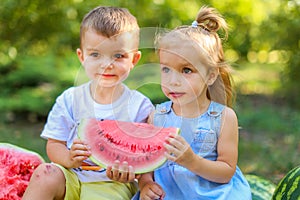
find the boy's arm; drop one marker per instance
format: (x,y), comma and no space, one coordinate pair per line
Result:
(58,152)
(121,172)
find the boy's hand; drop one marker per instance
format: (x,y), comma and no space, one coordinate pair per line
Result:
(178,150)
(122,173)
(79,152)
(152,191)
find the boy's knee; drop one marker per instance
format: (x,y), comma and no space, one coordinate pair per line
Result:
(49,173)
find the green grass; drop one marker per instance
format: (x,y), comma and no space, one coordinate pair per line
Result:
(24,134)
(269,137)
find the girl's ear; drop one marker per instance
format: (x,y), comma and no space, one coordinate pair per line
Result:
(136,57)
(80,55)
(212,76)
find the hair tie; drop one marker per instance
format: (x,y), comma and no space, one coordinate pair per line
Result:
(194,24)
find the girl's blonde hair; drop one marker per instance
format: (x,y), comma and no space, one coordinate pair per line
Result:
(208,45)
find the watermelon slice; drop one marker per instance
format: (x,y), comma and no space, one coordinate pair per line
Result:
(140,144)
(17,165)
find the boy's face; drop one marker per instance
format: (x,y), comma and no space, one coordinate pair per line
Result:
(108,61)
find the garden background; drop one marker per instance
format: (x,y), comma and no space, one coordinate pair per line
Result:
(38,41)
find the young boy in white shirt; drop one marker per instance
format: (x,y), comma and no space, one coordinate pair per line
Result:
(109,39)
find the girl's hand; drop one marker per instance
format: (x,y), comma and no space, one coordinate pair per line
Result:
(79,152)
(123,173)
(178,150)
(152,191)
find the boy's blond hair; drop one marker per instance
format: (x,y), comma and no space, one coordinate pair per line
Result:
(109,21)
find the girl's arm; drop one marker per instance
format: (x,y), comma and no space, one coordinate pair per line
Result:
(223,168)
(149,189)
(58,152)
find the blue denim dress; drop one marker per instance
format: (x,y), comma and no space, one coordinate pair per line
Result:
(202,134)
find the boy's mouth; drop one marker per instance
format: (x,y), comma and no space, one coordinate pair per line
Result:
(107,75)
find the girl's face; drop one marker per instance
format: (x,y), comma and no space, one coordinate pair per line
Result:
(107,61)
(181,82)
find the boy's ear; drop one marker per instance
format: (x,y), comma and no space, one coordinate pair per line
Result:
(136,57)
(212,76)
(80,55)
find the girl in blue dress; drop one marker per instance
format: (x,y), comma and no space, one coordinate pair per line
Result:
(202,160)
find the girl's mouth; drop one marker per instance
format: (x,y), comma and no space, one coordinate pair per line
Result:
(176,94)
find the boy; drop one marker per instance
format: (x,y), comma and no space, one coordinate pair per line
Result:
(109,39)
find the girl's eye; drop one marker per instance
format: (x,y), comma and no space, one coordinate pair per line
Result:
(187,70)
(165,69)
(118,55)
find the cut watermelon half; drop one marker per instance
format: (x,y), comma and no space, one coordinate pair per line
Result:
(139,144)
(17,165)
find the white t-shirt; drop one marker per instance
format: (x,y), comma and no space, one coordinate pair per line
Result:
(76,103)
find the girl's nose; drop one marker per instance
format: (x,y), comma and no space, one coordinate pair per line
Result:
(175,79)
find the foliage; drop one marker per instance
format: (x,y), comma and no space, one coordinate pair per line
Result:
(31,85)
(285,25)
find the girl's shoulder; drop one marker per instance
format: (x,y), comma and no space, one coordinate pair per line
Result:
(229,114)
(215,109)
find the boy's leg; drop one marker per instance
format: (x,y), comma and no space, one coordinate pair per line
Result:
(107,190)
(47,182)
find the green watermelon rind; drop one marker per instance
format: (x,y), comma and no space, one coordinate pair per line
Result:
(261,189)
(289,186)
(81,128)
(4,145)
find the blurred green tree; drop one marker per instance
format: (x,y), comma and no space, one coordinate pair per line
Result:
(284,35)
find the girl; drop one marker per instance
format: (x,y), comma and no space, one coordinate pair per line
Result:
(202,160)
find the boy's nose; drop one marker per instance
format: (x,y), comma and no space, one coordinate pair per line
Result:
(106,63)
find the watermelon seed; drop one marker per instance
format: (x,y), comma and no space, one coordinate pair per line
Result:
(101,147)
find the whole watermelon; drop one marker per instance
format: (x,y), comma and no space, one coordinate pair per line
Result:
(16,167)
(289,186)
(261,189)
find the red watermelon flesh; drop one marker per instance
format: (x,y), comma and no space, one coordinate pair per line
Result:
(139,144)
(16,167)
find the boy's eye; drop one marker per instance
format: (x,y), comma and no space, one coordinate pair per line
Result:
(186,70)
(118,55)
(95,54)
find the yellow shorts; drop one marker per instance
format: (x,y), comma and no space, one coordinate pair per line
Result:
(105,190)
